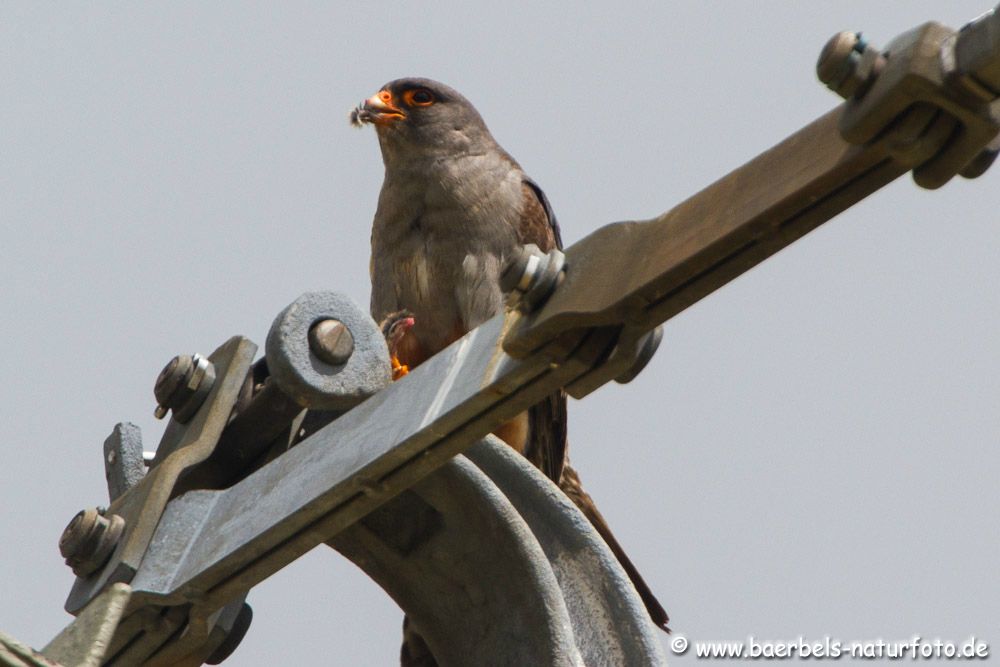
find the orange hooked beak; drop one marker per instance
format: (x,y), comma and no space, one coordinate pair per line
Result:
(379,109)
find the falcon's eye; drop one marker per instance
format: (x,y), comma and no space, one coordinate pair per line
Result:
(420,97)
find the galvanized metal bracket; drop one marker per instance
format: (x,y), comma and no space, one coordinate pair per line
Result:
(313,382)
(181,448)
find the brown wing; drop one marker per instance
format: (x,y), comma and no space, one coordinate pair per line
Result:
(546,446)
(538,223)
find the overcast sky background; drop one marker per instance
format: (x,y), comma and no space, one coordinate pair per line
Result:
(814,449)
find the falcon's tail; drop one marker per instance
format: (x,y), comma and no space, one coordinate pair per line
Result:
(570,484)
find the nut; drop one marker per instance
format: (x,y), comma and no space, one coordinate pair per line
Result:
(532,275)
(183,385)
(89,539)
(848,64)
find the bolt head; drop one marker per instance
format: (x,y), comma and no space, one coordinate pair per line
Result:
(521,269)
(835,57)
(182,386)
(172,378)
(89,539)
(848,65)
(76,532)
(331,341)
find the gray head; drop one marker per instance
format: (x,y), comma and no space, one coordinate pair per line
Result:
(416,117)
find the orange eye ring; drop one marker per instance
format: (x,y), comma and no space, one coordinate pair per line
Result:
(419,97)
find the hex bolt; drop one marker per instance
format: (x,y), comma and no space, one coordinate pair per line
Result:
(331,341)
(183,385)
(848,65)
(533,275)
(89,539)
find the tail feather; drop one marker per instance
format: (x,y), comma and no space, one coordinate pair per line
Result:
(570,484)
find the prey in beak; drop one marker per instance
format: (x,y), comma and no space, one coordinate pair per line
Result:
(379,109)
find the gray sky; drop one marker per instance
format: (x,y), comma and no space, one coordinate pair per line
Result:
(814,449)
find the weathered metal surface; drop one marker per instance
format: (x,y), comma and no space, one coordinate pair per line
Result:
(445,574)
(89,539)
(315,383)
(438,547)
(709,239)
(143,632)
(85,641)
(921,70)
(344,471)
(314,368)
(610,623)
(180,449)
(123,463)
(779,196)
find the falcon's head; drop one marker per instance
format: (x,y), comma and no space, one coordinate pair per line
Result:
(420,116)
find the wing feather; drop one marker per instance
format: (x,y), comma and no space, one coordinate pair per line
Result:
(546,447)
(538,223)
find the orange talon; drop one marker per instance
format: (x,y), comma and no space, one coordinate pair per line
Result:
(395,327)
(398,370)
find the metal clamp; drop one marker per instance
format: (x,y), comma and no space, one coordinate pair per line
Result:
(531,277)
(323,351)
(931,100)
(352,362)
